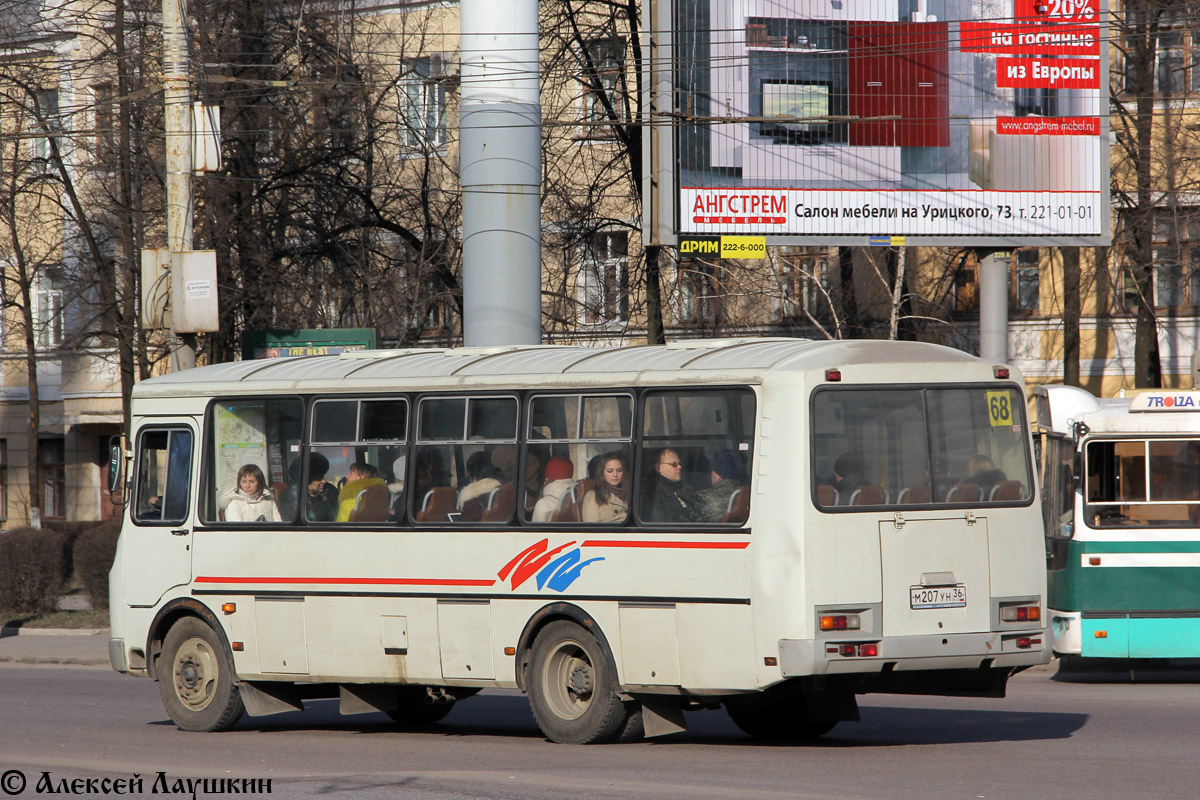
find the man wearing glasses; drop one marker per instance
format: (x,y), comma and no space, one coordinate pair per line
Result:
(672,498)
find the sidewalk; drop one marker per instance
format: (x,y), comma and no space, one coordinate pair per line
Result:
(86,647)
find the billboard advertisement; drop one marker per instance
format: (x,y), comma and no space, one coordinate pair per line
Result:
(862,121)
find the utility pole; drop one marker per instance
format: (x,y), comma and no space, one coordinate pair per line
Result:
(500,161)
(178,123)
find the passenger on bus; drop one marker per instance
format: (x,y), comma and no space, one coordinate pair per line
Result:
(482,478)
(430,471)
(361,476)
(504,457)
(322,503)
(609,499)
(672,496)
(728,474)
(982,471)
(849,473)
(559,479)
(396,488)
(251,500)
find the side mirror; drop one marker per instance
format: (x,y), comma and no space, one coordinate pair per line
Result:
(116,464)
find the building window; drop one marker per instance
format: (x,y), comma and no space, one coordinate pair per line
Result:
(699,293)
(1176,58)
(51,458)
(1175,268)
(803,283)
(102,98)
(342,113)
(3,479)
(423,101)
(966,288)
(48,310)
(1025,280)
(48,120)
(601,75)
(603,278)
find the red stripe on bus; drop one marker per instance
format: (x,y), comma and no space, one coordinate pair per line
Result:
(357,581)
(667,545)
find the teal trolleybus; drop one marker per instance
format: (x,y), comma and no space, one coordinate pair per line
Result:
(1121,489)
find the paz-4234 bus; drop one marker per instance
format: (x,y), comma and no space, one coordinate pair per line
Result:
(775,526)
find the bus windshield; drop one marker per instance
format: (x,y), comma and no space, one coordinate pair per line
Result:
(926,446)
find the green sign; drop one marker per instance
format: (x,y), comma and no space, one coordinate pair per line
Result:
(306,342)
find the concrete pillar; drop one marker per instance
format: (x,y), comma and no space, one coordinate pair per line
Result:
(993,305)
(500,127)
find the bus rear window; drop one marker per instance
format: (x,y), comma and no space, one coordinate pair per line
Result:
(885,447)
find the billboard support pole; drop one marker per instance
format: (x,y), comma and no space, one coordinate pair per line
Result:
(500,162)
(993,304)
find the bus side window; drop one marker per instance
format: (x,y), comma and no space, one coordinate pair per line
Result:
(164,476)
(572,438)
(258,437)
(697,456)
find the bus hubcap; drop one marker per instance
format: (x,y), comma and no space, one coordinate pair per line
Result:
(195,674)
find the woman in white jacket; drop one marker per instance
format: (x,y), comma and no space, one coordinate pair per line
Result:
(251,501)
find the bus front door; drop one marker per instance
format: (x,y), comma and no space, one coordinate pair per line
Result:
(157,536)
(935,576)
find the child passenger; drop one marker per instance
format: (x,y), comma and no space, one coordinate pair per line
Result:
(251,501)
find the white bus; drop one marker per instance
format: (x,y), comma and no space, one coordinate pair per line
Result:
(775,525)
(1121,484)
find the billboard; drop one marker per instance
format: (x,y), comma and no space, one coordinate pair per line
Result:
(859,122)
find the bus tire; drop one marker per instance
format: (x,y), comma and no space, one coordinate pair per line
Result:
(778,717)
(417,709)
(195,679)
(573,688)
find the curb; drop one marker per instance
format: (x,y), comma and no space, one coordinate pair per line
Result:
(14,631)
(65,662)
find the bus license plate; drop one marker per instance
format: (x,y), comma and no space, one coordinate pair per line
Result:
(938,596)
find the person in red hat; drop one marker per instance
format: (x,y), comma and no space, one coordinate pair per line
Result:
(560,474)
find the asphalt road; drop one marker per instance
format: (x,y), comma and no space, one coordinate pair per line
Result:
(1093,736)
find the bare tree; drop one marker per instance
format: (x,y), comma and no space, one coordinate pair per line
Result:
(1154,150)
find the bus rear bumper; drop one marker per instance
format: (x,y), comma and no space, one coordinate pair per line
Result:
(799,657)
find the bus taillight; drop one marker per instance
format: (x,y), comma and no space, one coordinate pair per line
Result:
(1000,372)
(1021,613)
(870,650)
(841,622)
(833,375)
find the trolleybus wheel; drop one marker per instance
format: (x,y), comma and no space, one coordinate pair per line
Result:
(573,689)
(779,717)
(195,678)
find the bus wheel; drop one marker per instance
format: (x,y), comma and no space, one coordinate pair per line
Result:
(195,679)
(779,717)
(418,708)
(573,688)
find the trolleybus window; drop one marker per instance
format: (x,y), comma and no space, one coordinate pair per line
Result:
(570,440)
(887,447)
(356,462)
(252,437)
(163,476)
(465,460)
(1146,483)
(696,456)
